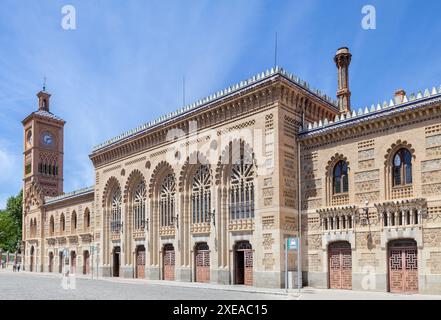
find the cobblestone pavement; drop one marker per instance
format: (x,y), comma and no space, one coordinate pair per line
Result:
(26,285)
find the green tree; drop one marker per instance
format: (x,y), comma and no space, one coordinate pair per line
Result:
(10,223)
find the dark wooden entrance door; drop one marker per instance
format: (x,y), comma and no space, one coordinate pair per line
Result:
(86,258)
(51,262)
(31,266)
(60,262)
(140,262)
(73,262)
(202,262)
(116,261)
(403,266)
(340,265)
(244,263)
(169,262)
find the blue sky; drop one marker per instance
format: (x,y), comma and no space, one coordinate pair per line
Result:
(124,63)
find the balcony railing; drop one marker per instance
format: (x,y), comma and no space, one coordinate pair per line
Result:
(246,224)
(203,227)
(340,199)
(167,231)
(402,192)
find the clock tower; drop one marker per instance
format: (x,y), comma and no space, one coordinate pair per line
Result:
(43,149)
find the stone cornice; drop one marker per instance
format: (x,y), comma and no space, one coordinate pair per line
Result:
(406,204)
(379,122)
(69,197)
(331,211)
(257,97)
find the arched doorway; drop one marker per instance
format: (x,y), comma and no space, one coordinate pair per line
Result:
(403,266)
(86,258)
(169,262)
(116,261)
(202,262)
(31,265)
(243,263)
(60,262)
(140,262)
(340,265)
(73,262)
(51,262)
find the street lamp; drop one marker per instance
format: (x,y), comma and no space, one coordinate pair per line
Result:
(363,218)
(175,220)
(145,224)
(212,217)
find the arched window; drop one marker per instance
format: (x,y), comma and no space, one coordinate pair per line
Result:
(86,218)
(51,226)
(62,223)
(201,195)
(402,168)
(115,220)
(341,181)
(167,200)
(408,217)
(349,222)
(73,222)
(139,206)
(385,219)
(242,190)
(325,223)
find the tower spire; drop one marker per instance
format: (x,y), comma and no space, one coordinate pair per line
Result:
(43,98)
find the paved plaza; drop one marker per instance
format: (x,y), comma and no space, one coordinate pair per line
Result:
(31,286)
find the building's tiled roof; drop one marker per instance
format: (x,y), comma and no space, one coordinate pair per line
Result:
(234,89)
(413,101)
(47,114)
(70,195)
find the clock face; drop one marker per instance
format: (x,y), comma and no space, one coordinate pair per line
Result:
(47,139)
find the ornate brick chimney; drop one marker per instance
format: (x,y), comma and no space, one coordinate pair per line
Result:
(342,60)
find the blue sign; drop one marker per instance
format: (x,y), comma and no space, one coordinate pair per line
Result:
(293,243)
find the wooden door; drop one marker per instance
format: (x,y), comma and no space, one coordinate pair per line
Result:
(51,262)
(169,264)
(403,268)
(202,266)
(248,262)
(140,264)
(86,262)
(340,266)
